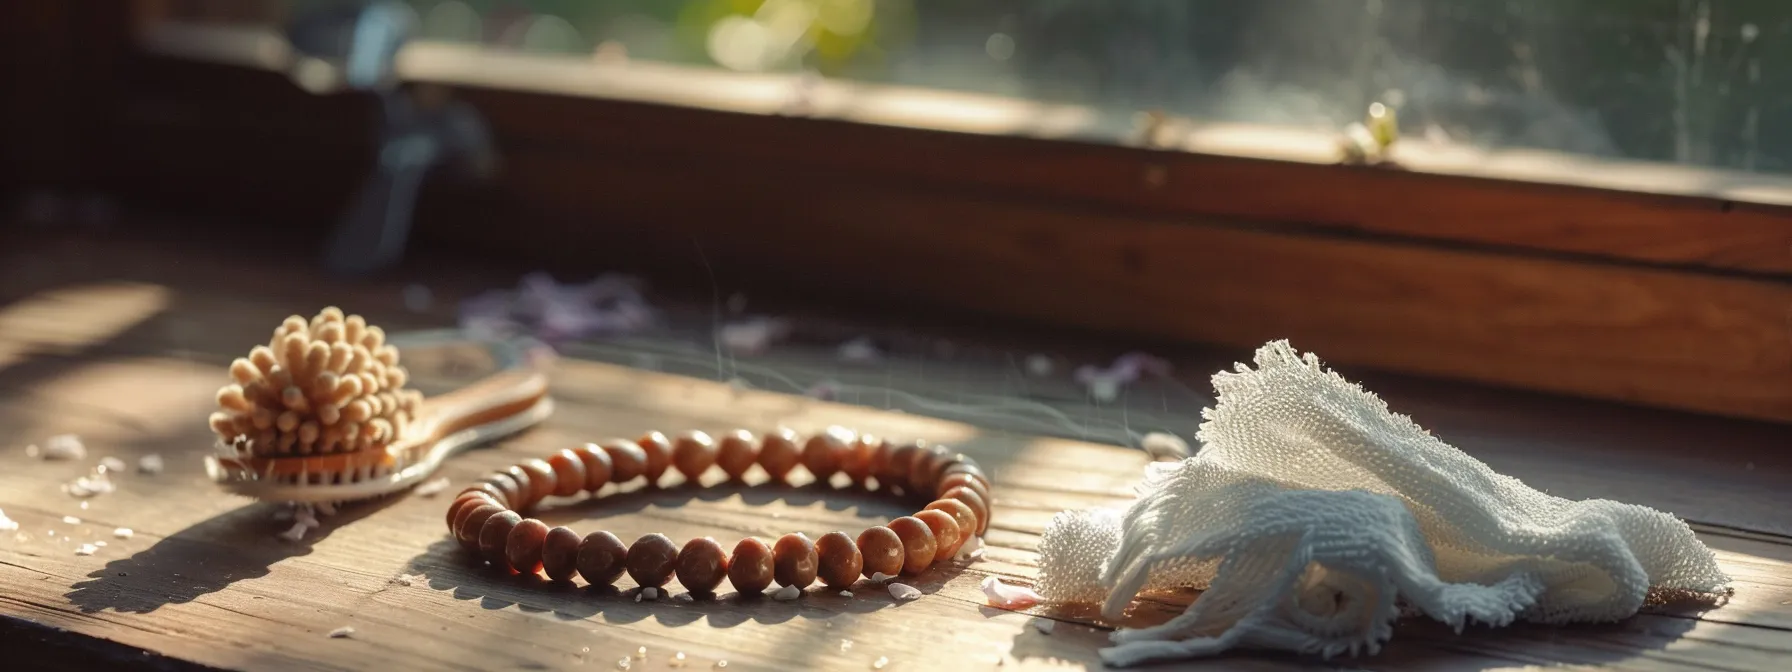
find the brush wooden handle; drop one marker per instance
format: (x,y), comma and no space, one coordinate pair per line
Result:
(495,398)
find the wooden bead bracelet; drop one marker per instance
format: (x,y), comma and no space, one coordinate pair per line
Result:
(486,517)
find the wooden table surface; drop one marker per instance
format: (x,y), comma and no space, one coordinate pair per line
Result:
(126,350)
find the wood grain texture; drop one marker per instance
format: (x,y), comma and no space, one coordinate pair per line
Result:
(1658,337)
(132,368)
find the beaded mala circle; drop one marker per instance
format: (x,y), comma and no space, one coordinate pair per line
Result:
(486,518)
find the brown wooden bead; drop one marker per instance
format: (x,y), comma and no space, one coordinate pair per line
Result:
(659,455)
(793,561)
(569,473)
(519,485)
(839,560)
(466,531)
(736,452)
(881,551)
(692,454)
(651,560)
(597,466)
(918,544)
(962,479)
(921,467)
(894,475)
(560,554)
(946,535)
(778,453)
(880,453)
(602,558)
(466,501)
(855,460)
(494,535)
(821,453)
(965,466)
(627,460)
(955,463)
(509,492)
(973,500)
(750,569)
(701,565)
(523,547)
(541,479)
(961,513)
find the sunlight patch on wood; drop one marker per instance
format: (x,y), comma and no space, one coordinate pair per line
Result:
(70,318)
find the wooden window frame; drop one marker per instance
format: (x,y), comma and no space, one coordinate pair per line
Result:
(1650,284)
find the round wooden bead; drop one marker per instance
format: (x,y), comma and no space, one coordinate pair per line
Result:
(494,536)
(946,535)
(821,453)
(736,452)
(524,546)
(659,455)
(894,475)
(751,570)
(921,467)
(560,554)
(652,560)
(466,501)
(961,513)
(794,561)
(839,560)
(855,460)
(627,460)
(602,558)
(778,453)
(541,479)
(569,473)
(597,466)
(510,493)
(701,565)
(955,463)
(471,522)
(880,454)
(918,544)
(965,480)
(973,500)
(881,551)
(692,454)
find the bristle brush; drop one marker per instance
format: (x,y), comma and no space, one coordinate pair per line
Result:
(322,414)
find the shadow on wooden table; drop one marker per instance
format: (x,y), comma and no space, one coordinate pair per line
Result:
(188,564)
(453,568)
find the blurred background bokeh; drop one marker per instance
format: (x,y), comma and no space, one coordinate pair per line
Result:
(1697,82)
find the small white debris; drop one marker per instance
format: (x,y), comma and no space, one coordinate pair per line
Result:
(1164,446)
(112,464)
(150,464)
(100,544)
(325,508)
(89,486)
(846,593)
(650,593)
(637,597)
(407,580)
(87,549)
(433,488)
(296,533)
(1045,626)
(1039,366)
(83,505)
(62,447)
(880,663)
(880,577)
(845,645)
(1004,596)
(721,664)
(341,632)
(124,533)
(7,524)
(641,653)
(971,550)
(677,660)
(303,514)
(787,594)
(683,597)
(904,592)
(623,664)
(71,520)
(859,351)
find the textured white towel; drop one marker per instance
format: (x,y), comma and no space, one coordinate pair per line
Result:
(1313,515)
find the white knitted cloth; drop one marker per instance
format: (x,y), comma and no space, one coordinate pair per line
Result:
(1313,515)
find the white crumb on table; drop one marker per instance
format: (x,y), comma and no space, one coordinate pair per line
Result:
(71,520)
(846,593)
(296,533)
(650,593)
(341,632)
(904,592)
(880,577)
(87,549)
(7,524)
(60,447)
(787,594)
(124,533)
(150,464)
(112,464)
